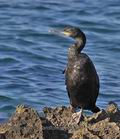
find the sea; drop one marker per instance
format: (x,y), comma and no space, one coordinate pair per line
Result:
(32,59)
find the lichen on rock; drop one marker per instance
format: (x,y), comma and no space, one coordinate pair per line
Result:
(57,123)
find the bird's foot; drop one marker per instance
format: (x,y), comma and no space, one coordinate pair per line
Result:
(77,117)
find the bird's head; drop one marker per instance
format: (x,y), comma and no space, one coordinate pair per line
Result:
(73,32)
(69,31)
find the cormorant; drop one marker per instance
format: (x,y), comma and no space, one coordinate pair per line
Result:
(82,81)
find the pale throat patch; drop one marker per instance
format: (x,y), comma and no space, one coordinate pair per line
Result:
(66,33)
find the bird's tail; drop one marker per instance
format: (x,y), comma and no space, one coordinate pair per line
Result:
(95,109)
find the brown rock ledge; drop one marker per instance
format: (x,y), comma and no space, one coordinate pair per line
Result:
(26,123)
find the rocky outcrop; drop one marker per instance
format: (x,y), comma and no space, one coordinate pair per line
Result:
(57,123)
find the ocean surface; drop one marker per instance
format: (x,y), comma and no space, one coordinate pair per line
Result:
(32,59)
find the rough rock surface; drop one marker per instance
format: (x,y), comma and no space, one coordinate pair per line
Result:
(57,123)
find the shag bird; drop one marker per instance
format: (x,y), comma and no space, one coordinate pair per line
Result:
(82,81)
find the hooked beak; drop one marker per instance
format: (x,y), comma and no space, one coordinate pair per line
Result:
(59,32)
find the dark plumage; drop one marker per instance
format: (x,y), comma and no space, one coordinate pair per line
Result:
(82,81)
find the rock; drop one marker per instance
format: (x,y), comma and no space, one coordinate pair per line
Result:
(2,136)
(84,133)
(112,107)
(57,123)
(96,117)
(59,116)
(114,112)
(25,123)
(55,133)
(105,129)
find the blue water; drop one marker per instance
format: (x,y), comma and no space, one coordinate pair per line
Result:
(32,59)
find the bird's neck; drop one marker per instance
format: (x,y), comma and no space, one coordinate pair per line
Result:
(79,44)
(76,49)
